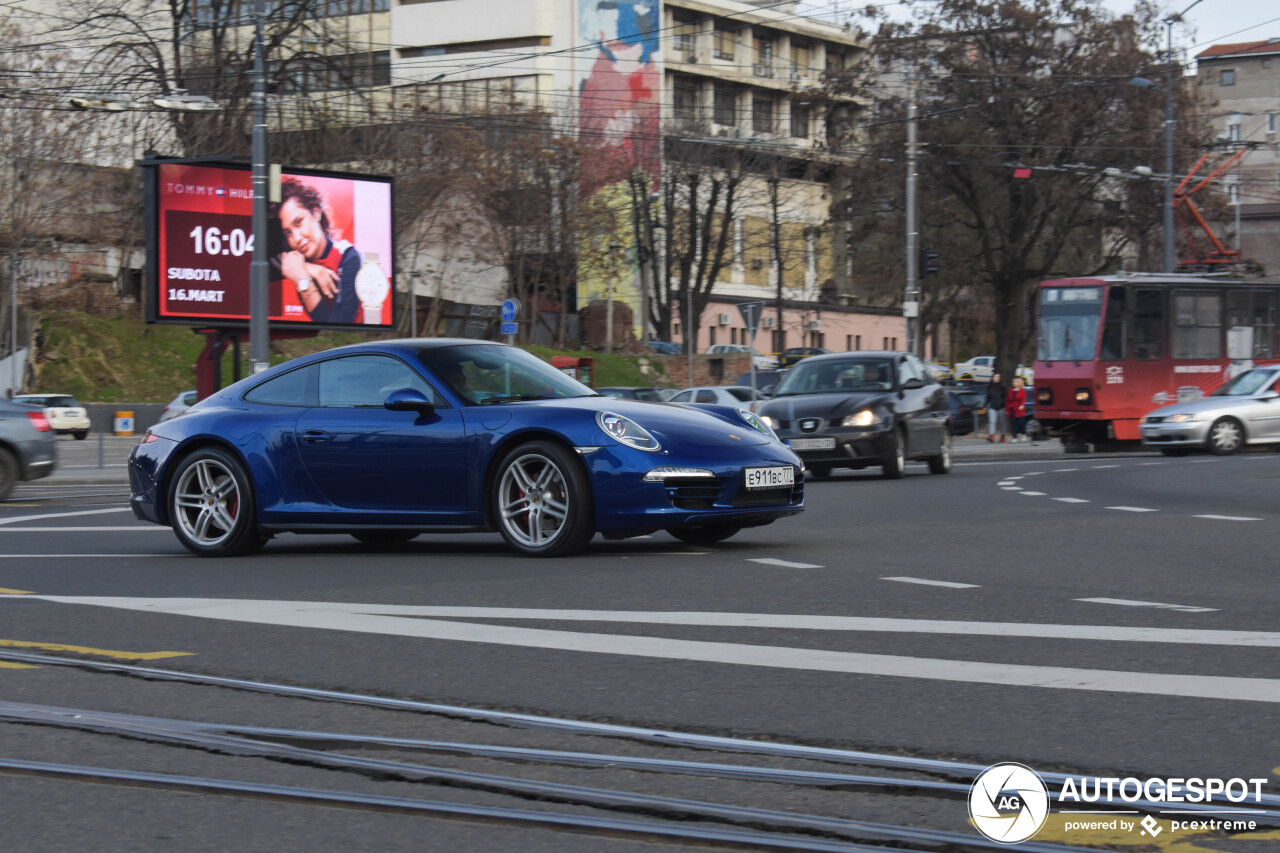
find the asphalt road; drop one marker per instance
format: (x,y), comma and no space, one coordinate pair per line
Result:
(1101,615)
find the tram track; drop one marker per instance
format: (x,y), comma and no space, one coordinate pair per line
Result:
(591,808)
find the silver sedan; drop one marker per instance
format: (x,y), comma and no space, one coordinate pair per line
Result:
(1244,411)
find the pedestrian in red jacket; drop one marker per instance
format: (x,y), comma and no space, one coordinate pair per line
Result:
(1016,408)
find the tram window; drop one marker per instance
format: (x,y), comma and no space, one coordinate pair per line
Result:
(1256,309)
(1197,324)
(1113,326)
(1147,338)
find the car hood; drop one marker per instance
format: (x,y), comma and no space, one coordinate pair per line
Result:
(1205,405)
(707,426)
(823,405)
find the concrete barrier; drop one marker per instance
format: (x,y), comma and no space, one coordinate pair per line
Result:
(102,415)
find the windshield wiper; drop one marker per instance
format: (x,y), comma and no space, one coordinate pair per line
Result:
(514,398)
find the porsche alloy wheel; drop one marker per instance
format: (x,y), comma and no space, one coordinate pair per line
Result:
(1226,436)
(542,501)
(211,505)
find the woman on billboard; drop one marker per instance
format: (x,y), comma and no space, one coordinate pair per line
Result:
(323,270)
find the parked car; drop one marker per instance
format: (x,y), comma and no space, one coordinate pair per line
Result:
(766,380)
(1246,410)
(648,394)
(28,445)
(738,396)
(761,361)
(385,440)
(666,348)
(794,354)
(967,406)
(977,369)
(854,409)
(179,404)
(941,372)
(65,414)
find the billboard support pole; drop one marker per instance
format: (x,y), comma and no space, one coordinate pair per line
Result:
(259,304)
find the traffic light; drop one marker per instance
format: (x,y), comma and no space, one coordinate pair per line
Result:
(928,262)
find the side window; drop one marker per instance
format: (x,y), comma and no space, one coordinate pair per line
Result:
(1113,325)
(364,381)
(908,369)
(189,399)
(1197,324)
(925,374)
(1254,309)
(682,397)
(295,388)
(706,396)
(1147,340)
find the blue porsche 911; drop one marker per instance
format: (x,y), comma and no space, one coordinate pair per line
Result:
(387,440)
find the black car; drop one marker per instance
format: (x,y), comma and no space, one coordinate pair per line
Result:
(967,409)
(851,410)
(27,445)
(788,357)
(765,380)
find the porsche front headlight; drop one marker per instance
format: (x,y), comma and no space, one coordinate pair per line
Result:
(861,419)
(626,431)
(758,423)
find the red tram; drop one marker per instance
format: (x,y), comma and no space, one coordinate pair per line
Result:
(1112,348)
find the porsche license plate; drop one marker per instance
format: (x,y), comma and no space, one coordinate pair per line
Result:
(812,444)
(770,478)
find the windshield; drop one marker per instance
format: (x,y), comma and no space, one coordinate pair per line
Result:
(1069,318)
(490,373)
(836,375)
(1247,384)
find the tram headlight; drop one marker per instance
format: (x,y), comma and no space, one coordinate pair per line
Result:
(1084,397)
(1044,396)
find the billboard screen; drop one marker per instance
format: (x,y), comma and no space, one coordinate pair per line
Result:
(329,242)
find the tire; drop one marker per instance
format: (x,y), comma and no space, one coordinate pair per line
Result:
(211,505)
(1033,429)
(8,473)
(1174,451)
(542,502)
(385,537)
(709,535)
(1226,436)
(81,435)
(941,464)
(895,460)
(819,472)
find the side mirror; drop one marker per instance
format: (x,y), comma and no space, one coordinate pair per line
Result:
(912,384)
(409,400)
(1270,395)
(768,390)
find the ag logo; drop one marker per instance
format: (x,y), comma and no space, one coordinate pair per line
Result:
(1008,803)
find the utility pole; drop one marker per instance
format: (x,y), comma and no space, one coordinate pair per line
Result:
(259,280)
(911,296)
(775,243)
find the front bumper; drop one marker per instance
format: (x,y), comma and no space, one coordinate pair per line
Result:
(1174,435)
(854,447)
(146,487)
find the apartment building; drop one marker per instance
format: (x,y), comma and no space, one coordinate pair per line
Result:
(1239,89)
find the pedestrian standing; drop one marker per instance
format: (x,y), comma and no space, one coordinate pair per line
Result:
(995,409)
(1016,408)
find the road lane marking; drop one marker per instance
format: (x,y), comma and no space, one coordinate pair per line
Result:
(1132,509)
(924,582)
(1099,467)
(64,514)
(14,591)
(1228,517)
(1124,602)
(786,564)
(131,528)
(1012,488)
(1033,474)
(1035,494)
(370,619)
(87,650)
(1064,470)
(1072,500)
(1153,463)
(73,557)
(1005,483)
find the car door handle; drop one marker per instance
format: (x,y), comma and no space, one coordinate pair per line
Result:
(315,436)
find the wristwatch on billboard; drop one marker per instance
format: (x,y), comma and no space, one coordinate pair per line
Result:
(304,284)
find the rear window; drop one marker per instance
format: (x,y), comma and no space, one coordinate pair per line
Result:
(63,401)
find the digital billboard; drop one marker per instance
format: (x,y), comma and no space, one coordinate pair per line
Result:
(330,245)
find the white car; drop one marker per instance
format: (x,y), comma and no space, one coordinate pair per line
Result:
(64,412)
(761,361)
(178,405)
(737,396)
(977,369)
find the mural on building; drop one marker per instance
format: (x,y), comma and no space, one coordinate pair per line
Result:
(619,123)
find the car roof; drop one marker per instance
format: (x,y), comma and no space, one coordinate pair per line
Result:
(861,353)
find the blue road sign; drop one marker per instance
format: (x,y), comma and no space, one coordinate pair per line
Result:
(509,328)
(510,311)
